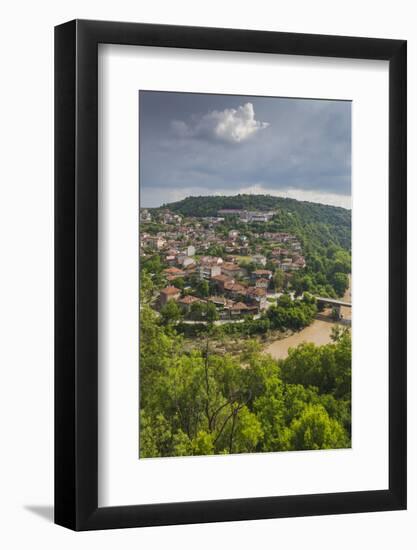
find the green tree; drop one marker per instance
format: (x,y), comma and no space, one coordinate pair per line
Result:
(202,444)
(244,431)
(314,429)
(197,311)
(279,279)
(203,288)
(340,282)
(211,313)
(170,312)
(155,436)
(146,287)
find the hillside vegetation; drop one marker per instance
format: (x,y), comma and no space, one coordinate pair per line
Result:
(327,224)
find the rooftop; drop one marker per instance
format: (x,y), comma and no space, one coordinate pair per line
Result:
(239,305)
(222,278)
(187,300)
(230,267)
(262,272)
(170,290)
(173,271)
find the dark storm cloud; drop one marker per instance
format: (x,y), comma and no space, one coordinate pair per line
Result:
(205,144)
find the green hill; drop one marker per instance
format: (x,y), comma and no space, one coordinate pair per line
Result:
(317,225)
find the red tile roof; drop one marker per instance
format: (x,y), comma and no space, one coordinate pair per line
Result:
(256,291)
(173,271)
(170,290)
(240,306)
(187,300)
(262,272)
(230,267)
(235,287)
(222,278)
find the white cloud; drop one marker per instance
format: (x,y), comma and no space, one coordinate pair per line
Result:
(230,125)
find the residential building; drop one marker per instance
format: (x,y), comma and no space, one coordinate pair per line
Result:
(257,296)
(299,263)
(262,283)
(187,262)
(286,264)
(169,293)
(238,309)
(210,260)
(279,252)
(173,273)
(187,301)
(190,250)
(221,280)
(171,218)
(208,271)
(235,290)
(170,260)
(262,274)
(232,270)
(156,243)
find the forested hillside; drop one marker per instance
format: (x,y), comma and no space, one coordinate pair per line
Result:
(323,223)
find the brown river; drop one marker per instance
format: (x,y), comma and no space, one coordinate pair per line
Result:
(318,332)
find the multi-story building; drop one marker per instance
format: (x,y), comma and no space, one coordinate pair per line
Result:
(207,271)
(235,290)
(262,283)
(262,274)
(154,242)
(257,296)
(190,250)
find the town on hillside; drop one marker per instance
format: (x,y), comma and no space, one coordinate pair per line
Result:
(201,262)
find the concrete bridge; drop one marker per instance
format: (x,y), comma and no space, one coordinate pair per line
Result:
(332,302)
(336,305)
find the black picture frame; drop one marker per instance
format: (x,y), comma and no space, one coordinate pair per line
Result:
(76,272)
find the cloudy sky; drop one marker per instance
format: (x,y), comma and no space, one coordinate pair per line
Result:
(203,144)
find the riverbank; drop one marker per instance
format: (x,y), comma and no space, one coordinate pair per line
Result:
(318,333)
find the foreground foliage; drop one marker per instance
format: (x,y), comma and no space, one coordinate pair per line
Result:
(198,403)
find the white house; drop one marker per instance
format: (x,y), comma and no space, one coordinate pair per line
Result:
(190,250)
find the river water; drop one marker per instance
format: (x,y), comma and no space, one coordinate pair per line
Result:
(318,333)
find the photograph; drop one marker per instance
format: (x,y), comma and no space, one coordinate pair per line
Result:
(245,274)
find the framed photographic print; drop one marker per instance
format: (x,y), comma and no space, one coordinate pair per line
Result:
(230,235)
